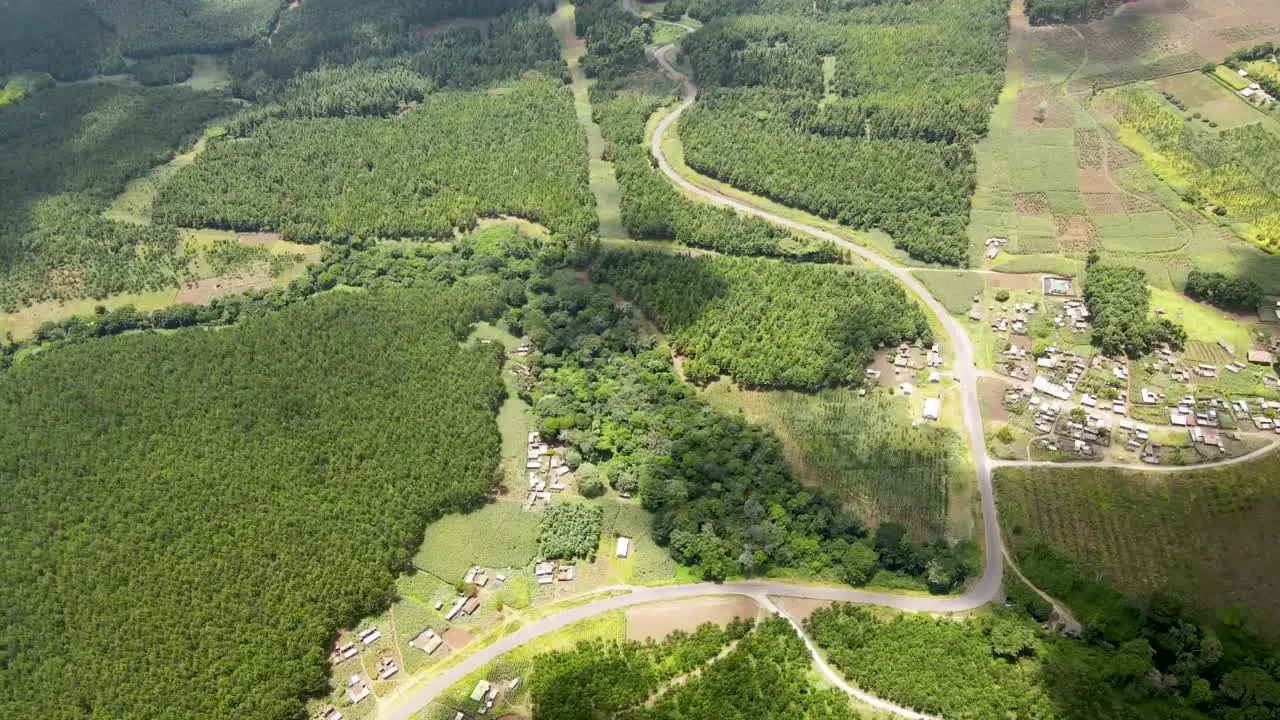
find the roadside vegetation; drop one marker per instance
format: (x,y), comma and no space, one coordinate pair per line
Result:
(1002,664)
(623,101)
(197,537)
(764,322)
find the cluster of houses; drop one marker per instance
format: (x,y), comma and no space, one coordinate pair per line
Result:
(1255,92)
(547,572)
(1016,324)
(546,471)
(1260,418)
(1075,313)
(486,693)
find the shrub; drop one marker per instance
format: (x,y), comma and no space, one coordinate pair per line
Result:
(1002,295)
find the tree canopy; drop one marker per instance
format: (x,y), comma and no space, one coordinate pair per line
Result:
(190,517)
(1118,298)
(765,322)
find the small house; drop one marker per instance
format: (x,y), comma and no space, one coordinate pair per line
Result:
(624,547)
(565,574)
(932,408)
(1261,357)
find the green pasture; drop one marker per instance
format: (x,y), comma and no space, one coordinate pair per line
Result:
(955,289)
(498,535)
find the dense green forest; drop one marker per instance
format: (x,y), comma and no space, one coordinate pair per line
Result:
(764,322)
(866,114)
(67,151)
(1003,665)
(190,517)
(168,70)
(327,33)
(764,675)
(1120,301)
(459,156)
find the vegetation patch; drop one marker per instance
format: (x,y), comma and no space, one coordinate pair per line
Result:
(498,535)
(570,530)
(68,151)
(1206,535)
(764,322)
(892,132)
(441,166)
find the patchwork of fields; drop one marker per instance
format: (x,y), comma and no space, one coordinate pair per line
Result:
(1055,181)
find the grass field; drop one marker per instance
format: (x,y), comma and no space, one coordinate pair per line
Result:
(955,289)
(1211,535)
(1054,180)
(604,183)
(498,535)
(865,449)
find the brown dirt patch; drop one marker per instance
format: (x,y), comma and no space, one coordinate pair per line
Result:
(991,394)
(799,608)
(661,619)
(1033,203)
(260,239)
(1023,341)
(66,282)
(1075,233)
(1105,203)
(202,291)
(1088,149)
(1038,108)
(455,637)
(1094,180)
(1138,204)
(1014,281)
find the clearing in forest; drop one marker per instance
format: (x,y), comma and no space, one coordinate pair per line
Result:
(657,621)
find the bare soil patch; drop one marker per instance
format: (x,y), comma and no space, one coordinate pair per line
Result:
(455,637)
(1088,149)
(1094,180)
(1033,203)
(66,282)
(1105,203)
(257,277)
(1014,281)
(1038,108)
(1075,233)
(799,608)
(660,620)
(991,394)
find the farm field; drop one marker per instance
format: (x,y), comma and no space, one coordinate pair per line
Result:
(1210,535)
(1053,179)
(1219,155)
